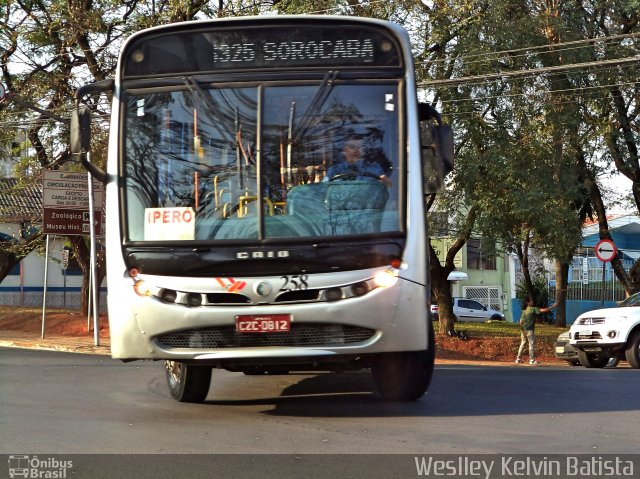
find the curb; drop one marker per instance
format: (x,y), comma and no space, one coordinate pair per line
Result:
(59,344)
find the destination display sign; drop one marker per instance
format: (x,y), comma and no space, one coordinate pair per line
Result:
(265,47)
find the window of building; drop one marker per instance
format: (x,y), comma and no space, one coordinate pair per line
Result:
(438,224)
(481,254)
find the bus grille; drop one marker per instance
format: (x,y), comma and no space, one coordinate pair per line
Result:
(300,335)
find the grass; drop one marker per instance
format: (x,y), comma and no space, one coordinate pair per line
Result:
(501,329)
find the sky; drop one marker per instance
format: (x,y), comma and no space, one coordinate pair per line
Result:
(621,185)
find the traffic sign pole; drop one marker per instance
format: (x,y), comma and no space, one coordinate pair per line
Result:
(44,297)
(604,284)
(69,200)
(605,251)
(92,241)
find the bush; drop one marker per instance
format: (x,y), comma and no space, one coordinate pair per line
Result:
(541,296)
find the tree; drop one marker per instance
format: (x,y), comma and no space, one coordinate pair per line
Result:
(48,48)
(439,273)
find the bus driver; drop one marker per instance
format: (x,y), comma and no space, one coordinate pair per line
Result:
(352,163)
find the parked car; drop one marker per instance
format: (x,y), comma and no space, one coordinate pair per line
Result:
(470,310)
(608,333)
(565,351)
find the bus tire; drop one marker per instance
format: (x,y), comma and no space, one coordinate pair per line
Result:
(404,376)
(188,383)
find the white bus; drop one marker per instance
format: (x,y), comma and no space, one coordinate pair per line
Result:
(265,201)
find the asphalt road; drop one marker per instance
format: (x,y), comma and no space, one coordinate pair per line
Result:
(62,403)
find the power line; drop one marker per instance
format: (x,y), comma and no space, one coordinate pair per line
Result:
(530,72)
(552,48)
(511,58)
(483,82)
(454,112)
(546,92)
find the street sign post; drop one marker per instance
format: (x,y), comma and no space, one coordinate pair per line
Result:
(70,204)
(605,252)
(69,222)
(65,203)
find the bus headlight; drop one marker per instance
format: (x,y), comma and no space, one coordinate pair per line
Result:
(333,294)
(194,300)
(168,296)
(360,289)
(385,279)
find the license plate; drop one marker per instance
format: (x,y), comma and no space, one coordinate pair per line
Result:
(263,323)
(559,349)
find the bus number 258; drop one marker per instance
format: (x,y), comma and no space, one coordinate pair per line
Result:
(294,283)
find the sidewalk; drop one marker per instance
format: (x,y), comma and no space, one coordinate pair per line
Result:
(72,344)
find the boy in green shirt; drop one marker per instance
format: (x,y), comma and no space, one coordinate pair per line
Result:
(528,335)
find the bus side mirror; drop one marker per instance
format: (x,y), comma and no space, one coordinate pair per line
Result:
(80,143)
(437,148)
(80,130)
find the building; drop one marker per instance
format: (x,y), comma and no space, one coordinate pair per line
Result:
(487,269)
(592,284)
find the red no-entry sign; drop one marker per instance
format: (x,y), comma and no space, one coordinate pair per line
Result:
(606,250)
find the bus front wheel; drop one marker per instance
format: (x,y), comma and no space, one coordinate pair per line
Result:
(404,376)
(187,383)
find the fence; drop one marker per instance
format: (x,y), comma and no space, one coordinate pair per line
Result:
(55,299)
(585,278)
(577,291)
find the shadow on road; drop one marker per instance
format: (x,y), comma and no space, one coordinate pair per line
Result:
(460,391)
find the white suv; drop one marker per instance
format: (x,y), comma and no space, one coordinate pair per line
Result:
(470,310)
(608,333)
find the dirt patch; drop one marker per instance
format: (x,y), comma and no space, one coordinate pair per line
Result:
(490,349)
(57,322)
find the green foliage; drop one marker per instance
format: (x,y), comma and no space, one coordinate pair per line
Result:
(541,295)
(503,329)
(540,290)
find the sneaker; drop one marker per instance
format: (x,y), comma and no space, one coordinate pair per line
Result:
(519,361)
(533,361)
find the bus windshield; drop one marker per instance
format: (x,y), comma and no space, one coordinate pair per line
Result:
(252,161)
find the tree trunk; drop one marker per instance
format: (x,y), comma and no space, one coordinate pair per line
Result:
(442,291)
(562,280)
(81,251)
(630,282)
(522,250)
(438,273)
